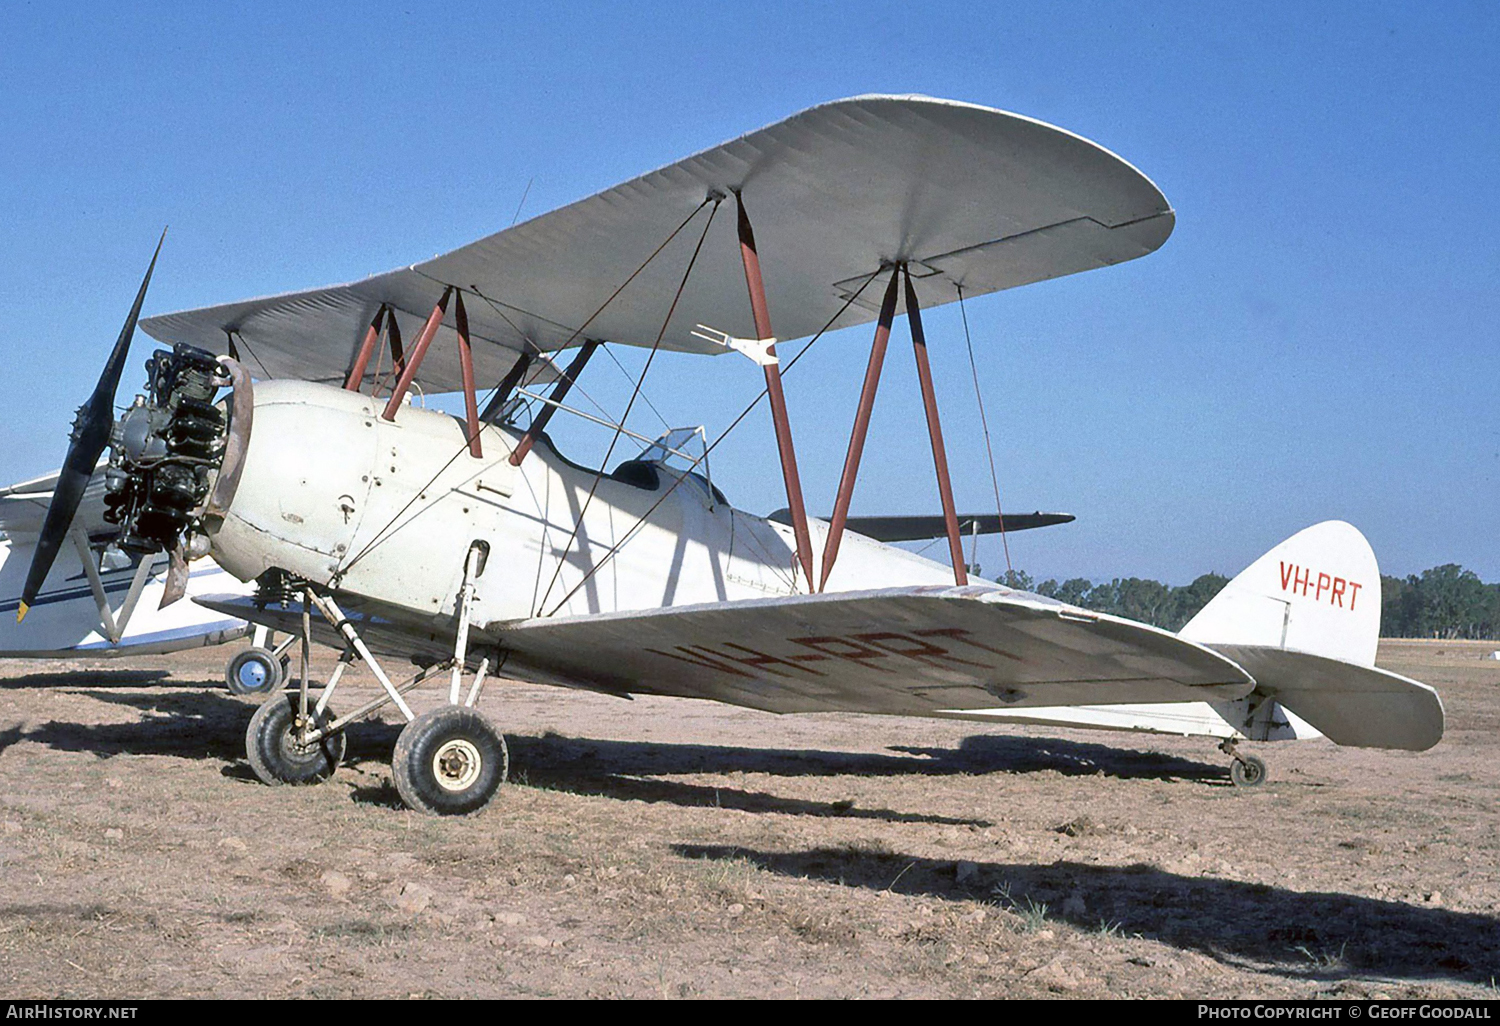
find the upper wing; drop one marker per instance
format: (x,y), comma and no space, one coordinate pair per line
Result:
(911,651)
(971,196)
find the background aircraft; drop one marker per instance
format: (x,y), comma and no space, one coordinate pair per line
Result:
(101,601)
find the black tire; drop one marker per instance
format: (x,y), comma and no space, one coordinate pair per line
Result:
(450,761)
(277,758)
(1247,771)
(255,671)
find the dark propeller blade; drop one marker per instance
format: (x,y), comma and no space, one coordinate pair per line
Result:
(91,430)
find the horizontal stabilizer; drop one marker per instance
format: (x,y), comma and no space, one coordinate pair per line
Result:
(1362,706)
(919,528)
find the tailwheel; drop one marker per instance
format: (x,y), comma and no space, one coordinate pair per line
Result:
(255,671)
(450,761)
(1247,771)
(278,757)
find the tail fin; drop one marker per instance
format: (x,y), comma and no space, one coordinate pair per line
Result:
(1317,592)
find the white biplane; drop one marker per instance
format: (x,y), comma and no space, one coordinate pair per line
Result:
(470,546)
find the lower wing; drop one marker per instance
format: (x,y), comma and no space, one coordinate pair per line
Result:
(905,651)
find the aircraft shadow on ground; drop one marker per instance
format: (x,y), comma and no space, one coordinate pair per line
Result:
(1324,936)
(628,771)
(114,678)
(208,723)
(632,770)
(188,724)
(978,754)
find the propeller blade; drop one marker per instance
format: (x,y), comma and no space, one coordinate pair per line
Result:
(91,430)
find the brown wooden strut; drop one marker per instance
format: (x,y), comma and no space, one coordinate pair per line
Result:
(366,349)
(393,333)
(507,385)
(935,431)
(861,428)
(418,352)
(559,393)
(466,365)
(750,256)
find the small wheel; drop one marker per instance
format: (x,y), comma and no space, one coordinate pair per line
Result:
(450,761)
(1247,771)
(255,671)
(277,757)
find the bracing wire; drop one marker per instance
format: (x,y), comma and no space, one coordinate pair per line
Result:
(541,357)
(610,353)
(619,427)
(630,534)
(262,366)
(984,423)
(381,536)
(524,194)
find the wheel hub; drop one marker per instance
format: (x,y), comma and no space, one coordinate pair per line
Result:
(456,765)
(253,675)
(292,744)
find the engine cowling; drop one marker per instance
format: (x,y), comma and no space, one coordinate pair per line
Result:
(332,493)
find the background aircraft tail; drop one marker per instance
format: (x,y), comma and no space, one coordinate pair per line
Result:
(1304,621)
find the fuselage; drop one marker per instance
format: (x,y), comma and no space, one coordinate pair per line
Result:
(387,511)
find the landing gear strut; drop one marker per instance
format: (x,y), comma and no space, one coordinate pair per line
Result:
(449,761)
(1244,770)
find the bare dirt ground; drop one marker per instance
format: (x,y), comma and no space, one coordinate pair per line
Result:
(664,847)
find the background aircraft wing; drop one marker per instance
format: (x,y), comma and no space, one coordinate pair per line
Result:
(23,507)
(923,526)
(971,196)
(908,651)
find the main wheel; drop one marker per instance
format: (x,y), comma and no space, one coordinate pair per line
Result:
(274,752)
(450,761)
(255,671)
(1247,771)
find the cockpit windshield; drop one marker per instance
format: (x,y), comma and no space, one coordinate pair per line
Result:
(685,444)
(681,452)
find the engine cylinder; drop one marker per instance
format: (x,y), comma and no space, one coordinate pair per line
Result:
(165,450)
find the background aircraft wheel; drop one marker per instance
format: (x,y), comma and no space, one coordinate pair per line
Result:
(255,671)
(274,753)
(450,761)
(1247,771)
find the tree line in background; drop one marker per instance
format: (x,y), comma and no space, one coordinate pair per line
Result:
(1443,602)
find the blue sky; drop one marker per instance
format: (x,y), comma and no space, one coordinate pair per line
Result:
(1318,339)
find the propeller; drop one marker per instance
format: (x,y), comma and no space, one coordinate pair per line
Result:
(91,428)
